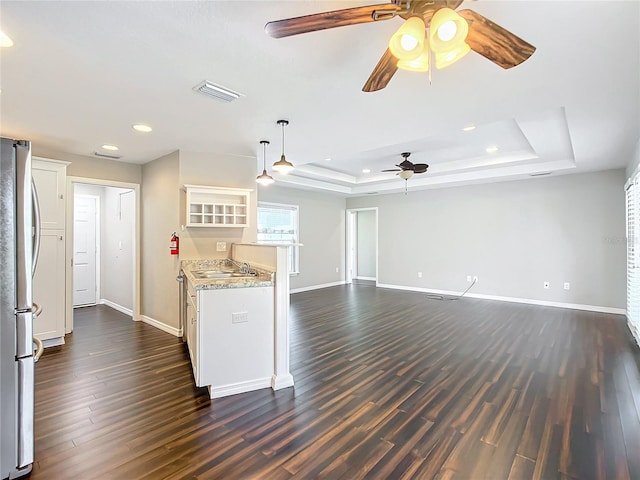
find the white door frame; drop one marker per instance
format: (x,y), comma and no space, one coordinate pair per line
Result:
(97,260)
(136,244)
(351,238)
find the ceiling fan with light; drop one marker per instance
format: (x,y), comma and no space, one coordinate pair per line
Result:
(450,36)
(406,168)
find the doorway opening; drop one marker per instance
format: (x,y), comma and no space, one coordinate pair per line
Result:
(362,245)
(104,266)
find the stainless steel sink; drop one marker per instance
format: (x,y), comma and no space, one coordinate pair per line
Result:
(202,274)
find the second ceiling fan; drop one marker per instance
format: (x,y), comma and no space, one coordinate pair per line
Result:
(451,35)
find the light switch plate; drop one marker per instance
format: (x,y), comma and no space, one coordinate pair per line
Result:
(221,246)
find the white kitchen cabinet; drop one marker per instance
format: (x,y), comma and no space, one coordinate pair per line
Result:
(50,177)
(191,327)
(49,283)
(230,337)
(49,288)
(217,206)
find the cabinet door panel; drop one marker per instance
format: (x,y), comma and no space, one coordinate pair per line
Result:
(50,179)
(49,286)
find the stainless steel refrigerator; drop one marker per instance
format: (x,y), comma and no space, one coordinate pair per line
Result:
(19,240)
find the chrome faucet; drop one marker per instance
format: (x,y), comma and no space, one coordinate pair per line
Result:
(243,267)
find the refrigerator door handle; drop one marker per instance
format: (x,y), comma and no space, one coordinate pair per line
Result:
(40,349)
(36,226)
(24,231)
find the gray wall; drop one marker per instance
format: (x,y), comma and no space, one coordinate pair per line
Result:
(366,243)
(512,235)
(94,167)
(322,227)
(116,272)
(220,171)
(160,218)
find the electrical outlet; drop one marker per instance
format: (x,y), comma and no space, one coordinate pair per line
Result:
(469,278)
(240,317)
(419,274)
(567,286)
(337,270)
(475,278)
(221,246)
(546,285)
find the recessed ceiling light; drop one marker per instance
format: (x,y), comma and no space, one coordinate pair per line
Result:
(141,127)
(492,149)
(5,41)
(366,170)
(327,159)
(111,148)
(468,128)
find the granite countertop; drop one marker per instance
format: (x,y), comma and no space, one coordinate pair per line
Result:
(262,278)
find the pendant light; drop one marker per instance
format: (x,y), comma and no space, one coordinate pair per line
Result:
(282,166)
(264,179)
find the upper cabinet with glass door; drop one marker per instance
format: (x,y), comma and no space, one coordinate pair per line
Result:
(217,206)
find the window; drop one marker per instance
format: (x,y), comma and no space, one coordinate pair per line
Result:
(633,256)
(278,225)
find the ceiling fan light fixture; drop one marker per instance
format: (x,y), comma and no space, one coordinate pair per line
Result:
(408,41)
(282,165)
(264,178)
(420,64)
(447,30)
(446,58)
(406,174)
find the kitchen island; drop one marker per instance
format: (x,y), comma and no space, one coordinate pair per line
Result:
(229,325)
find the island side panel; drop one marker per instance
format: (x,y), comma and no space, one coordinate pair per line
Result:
(237,327)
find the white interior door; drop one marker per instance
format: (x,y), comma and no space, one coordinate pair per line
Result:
(84,250)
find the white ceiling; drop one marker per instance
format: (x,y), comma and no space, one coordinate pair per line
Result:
(81,73)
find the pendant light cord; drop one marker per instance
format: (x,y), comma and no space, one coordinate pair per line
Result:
(282,125)
(264,156)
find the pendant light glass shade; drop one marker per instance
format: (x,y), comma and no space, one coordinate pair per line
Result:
(408,41)
(447,30)
(282,165)
(264,179)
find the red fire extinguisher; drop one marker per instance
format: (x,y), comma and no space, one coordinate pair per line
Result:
(174,244)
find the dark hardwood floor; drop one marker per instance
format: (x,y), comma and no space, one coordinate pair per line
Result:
(389,385)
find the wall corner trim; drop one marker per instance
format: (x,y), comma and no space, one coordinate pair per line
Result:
(529,301)
(176,332)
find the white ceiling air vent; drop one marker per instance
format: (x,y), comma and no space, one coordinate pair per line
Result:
(112,156)
(217,91)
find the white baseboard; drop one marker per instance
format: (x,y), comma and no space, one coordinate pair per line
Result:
(176,332)
(634,331)
(115,306)
(53,342)
(241,387)
(317,287)
(529,301)
(281,381)
(373,279)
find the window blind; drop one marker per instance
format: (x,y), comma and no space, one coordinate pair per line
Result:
(633,259)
